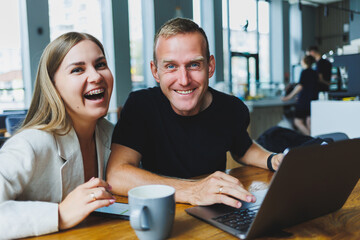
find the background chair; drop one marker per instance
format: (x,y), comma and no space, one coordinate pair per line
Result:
(13,122)
(336,136)
(17,112)
(2,140)
(4,115)
(2,124)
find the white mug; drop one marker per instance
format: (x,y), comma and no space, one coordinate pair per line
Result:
(152,211)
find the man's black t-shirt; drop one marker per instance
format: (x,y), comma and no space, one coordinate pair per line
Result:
(183,146)
(309,80)
(323,66)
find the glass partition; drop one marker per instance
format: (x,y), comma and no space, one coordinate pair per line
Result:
(75,15)
(246,32)
(11,79)
(136,44)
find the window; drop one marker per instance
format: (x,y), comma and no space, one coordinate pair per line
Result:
(11,80)
(75,15)
(264,42)
(197,12)
(248,46)
(136,44)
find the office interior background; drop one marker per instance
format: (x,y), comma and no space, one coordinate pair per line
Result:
(257,44)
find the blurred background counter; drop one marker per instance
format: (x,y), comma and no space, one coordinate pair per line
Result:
(265,113)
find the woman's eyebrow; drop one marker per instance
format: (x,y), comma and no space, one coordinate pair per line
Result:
(83,63)
(100,59)
(75,64)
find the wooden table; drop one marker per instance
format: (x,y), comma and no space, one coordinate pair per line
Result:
(342,224)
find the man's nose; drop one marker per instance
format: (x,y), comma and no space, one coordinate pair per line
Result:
(183,76)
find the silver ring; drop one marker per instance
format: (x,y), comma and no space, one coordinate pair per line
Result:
(220,190)
(92,195)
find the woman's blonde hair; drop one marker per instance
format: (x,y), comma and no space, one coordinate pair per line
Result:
(47,110)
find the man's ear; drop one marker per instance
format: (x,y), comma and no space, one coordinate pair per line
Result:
(154,71)
(211,66)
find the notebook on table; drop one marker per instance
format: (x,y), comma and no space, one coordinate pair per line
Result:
(311,181)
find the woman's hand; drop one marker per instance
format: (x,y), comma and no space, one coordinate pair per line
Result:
(82,201)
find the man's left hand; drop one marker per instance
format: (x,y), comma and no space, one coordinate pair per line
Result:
(276,160)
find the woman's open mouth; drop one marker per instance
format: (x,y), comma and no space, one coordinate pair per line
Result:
(95,94)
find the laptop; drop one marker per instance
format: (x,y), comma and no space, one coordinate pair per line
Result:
(311,181)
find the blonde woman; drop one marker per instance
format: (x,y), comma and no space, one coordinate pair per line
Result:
(51,171)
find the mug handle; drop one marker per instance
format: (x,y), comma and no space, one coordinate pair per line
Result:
(139,218)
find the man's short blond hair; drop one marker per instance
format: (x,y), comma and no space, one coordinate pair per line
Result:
(179,26)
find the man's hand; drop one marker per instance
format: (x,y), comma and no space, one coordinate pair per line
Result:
(276,160)
(219,187)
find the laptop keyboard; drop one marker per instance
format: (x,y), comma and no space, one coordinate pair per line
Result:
(239,219)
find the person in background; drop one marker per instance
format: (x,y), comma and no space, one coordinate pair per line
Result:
(323,68)
(306,90)
(184,128)
(52,168)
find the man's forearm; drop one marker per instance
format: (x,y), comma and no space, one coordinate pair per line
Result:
(204,191)
(258,156)
(127,176)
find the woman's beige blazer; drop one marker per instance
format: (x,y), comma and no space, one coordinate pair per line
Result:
(37,171)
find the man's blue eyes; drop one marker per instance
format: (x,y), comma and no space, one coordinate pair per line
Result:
(170,66)
(193,65)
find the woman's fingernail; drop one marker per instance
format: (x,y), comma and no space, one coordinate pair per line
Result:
(112,201)
(249,198)
(238,204)
(91,178)
(109,187)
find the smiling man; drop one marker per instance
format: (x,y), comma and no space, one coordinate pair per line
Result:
(184,128)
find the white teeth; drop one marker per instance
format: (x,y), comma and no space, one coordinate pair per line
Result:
(185,92)
(94,92)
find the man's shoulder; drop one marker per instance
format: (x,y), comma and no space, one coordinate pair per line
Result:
(142,98)
(222,96)
(225,99)
(146,93)
(143,102)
